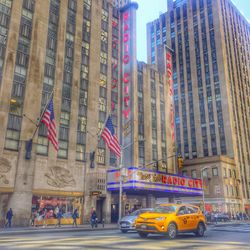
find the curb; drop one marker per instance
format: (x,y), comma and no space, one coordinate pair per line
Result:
(234,231)
(231,224)
(53,230)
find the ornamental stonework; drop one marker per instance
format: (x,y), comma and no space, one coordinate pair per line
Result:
(60,177)
(5,167)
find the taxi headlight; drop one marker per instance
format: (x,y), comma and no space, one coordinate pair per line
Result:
(160,218)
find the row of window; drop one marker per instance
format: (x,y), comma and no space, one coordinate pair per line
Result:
(21,66)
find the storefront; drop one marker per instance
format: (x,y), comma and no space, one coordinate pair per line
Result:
(141,188)
(45,207)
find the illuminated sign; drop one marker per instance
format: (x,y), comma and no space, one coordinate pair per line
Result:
(128,68)
(156,181)
(170,92)
(115,47)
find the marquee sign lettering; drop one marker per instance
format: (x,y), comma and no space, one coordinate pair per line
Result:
(169,179)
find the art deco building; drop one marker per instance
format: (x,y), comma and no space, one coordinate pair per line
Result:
(120,3)
(211,61)
(83,51)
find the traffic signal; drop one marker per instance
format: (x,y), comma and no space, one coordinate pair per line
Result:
(180,162)
(92,159)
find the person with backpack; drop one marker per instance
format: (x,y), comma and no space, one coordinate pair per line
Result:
(93,219)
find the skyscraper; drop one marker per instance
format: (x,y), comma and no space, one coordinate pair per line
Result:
(211,59)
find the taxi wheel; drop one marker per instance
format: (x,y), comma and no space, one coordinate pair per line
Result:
(172,231)
(200,230)
(124,231)
(143,235)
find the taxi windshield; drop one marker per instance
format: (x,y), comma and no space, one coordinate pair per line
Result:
(165,209)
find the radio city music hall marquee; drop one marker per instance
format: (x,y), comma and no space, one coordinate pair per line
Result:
(155,181)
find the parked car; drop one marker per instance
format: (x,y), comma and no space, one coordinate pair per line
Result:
(127,222)
(171,219)
(221,217)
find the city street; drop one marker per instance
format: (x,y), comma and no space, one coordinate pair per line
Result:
(217,237)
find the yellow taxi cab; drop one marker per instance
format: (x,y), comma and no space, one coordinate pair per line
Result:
(171,219)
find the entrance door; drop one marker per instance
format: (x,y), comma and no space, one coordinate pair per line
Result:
(114,213)
(99,209)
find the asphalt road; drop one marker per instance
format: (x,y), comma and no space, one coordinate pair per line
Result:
(114,240)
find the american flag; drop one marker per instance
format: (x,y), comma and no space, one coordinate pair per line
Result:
(49,120)
(108,135)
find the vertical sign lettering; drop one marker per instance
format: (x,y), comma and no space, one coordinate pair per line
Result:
(171,92)
(128,67)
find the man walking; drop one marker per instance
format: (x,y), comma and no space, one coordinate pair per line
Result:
(75,215)
(9,216)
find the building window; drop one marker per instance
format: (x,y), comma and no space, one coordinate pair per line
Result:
(63,149)
(101,155)
(184,173)
(193,174)
(205,173)
(224,172)
(80,152)
(215,171)
(42,145)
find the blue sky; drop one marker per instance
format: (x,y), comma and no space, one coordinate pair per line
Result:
(149,10)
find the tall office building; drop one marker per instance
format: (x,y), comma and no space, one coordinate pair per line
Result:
(211,61)
(120,3)
(83,51)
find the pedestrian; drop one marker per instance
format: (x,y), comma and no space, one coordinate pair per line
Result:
(59,217)
(75,215)
(93,219)
(9,216)
(56,211)
(33,217)
(240,214)
(44,217)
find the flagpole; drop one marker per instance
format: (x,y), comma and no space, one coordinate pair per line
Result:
(41,116)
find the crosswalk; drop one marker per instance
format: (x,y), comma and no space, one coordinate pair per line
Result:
(239,228)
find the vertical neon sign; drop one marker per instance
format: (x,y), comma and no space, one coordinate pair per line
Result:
(170,93)
(128,67)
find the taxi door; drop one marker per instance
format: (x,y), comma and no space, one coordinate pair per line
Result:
(192,217)
(182,219)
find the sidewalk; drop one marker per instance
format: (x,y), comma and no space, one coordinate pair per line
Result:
(229,223)
(63,228)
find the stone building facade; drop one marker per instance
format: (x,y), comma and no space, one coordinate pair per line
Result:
(222,185)
(73,49)
(210,40)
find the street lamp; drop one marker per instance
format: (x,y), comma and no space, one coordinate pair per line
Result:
(121,176)
(203,193)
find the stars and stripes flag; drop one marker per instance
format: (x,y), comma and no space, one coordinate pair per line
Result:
(49,120)
(108,135)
